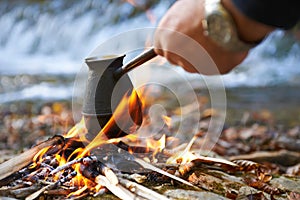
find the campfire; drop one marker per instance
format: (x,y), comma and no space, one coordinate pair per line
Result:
(71,166)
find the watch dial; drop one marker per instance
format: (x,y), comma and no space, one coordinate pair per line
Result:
(219,29)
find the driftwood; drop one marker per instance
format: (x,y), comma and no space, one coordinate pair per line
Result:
(17,163)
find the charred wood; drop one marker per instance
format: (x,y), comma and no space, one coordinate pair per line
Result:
(17,163)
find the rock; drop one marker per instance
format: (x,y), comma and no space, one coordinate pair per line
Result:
(247,192)
(190,194)
(284,183)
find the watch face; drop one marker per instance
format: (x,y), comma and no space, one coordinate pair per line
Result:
(219,29)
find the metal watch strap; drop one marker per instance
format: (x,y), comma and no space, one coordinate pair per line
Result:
(234,44)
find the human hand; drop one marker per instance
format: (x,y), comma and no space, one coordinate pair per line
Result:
(180,34)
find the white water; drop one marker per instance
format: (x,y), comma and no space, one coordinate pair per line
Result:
(35,41)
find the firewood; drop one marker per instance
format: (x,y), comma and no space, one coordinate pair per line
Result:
(200,160)
(15,164)
(65,166)
(58,192)
(117,190)
(155,169)
(135,177)
(50,186)
(110,175)
(141,190)
(23,192)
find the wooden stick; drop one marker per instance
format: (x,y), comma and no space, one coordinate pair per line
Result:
(65,166)
(186,168)
(110,175)
(142,191)
(23,192)
(15,164)
(117,190)
(153,168)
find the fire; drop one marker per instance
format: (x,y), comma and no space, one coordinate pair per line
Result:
(38,157)
(76,135)
(185,156)
(127,104)
(156,145)
(167,120)
(73,152)
(77,130)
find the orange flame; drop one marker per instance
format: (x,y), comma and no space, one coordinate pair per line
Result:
(38,157)
(167,120)
(123,109)
(156,145)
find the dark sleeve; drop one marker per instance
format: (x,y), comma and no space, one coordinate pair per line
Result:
(278,13)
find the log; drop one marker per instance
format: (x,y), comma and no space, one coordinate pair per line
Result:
(17,163)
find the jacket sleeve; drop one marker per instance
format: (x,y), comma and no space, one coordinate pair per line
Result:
(277,13)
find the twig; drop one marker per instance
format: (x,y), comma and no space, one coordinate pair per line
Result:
(227,165)
(65,166)
(141,190)
(117,190)
(50,186)
(136,177)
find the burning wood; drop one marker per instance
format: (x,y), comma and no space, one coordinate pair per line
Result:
(17,163)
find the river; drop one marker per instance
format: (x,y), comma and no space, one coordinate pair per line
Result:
(43,45)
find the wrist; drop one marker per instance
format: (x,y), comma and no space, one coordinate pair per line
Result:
(246,25)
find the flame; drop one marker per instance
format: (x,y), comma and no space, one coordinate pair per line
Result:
(185,156)
(38,157)
(126,115)
(124,108)
(156,145)
(79,130)
(167,120)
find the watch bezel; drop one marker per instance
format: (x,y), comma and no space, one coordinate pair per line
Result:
(215,8)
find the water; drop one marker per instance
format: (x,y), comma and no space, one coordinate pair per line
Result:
(46,43)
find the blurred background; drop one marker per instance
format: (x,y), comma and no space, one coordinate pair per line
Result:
(43,45)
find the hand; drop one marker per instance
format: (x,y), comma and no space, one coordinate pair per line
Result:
(181,28)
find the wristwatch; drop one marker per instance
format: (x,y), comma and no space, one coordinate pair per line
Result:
(220,27)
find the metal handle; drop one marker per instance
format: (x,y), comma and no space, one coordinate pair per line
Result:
(135,62)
